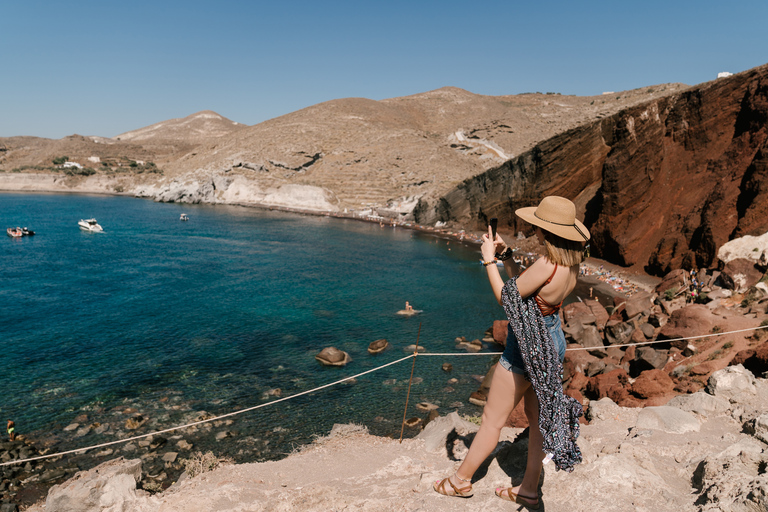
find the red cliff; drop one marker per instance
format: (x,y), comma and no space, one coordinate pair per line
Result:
(661,185)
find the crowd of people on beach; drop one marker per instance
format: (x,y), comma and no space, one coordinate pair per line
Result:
(619,284)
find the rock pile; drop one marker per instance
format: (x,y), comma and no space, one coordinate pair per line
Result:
(632,353)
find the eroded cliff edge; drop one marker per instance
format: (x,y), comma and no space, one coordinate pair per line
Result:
(661,185)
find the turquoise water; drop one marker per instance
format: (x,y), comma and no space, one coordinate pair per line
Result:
(223,308)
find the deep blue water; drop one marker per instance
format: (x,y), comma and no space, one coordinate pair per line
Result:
(224,307)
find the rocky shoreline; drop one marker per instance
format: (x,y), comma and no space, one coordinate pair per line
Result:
(701,452)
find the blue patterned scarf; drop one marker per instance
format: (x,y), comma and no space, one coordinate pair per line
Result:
(558,412)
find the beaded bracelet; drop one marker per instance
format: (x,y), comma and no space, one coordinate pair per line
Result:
(486,263)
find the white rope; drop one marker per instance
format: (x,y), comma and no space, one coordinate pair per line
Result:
(609,346)
(415,354)
(670,341)
(60,454)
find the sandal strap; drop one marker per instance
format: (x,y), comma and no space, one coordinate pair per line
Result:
(457,491)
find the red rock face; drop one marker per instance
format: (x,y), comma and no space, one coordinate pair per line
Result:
(660,185)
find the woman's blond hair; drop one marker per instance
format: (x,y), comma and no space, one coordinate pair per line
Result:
(562,251)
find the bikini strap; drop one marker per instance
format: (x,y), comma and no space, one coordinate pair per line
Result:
(550,277)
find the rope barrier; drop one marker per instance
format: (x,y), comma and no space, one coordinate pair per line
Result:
(235,413)
(241,411)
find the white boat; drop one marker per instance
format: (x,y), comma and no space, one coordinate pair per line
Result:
(184,217)
(90,225)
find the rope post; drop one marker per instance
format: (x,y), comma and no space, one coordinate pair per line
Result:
(410,380)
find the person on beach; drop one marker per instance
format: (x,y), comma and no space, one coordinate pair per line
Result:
(11,429)
(535,347)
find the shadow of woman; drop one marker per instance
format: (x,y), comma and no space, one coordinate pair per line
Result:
(511,457)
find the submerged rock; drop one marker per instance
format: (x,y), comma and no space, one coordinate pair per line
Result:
(378,346)
(331,356)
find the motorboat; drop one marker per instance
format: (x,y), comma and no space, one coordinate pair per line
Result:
(14,232)
(184,216)
(90,225)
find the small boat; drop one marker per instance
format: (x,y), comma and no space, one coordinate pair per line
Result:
(90,225)
(14,233)
(184,217)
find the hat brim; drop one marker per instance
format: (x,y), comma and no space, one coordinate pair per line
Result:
(569,232)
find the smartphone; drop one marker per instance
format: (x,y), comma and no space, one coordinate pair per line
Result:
(494,223)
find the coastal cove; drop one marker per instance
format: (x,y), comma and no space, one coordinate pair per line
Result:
(215,314)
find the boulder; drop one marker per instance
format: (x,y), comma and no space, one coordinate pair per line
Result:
(754,360)
(618,333)
(602,409)
(673,281)
(667,419)
(578,382)
(731,382)
(611,385)
(700,403)
(652,383)
(500,331)
(648,330)
(378,346)
(747,247)
(732,480)
(108,486)
(739,274)
(761,428)
(589,336)
(595,368)
(447,367)
(636,304)
(578,312)
(692,320)
(658,319)
(648,358)
(599,312)
(331,356)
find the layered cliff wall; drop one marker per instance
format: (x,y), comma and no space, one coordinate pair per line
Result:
(661,185)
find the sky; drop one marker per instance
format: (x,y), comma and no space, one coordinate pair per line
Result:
(104,68)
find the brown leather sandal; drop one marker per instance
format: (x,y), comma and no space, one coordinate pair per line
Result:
(510,495)
(460,492)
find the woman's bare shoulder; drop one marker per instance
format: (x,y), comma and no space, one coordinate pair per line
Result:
(539,272)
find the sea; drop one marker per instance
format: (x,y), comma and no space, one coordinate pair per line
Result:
(176,321)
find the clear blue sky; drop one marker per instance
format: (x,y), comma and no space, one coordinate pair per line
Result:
(103,68)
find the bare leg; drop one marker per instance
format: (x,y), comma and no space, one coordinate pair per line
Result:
(507,389)
(530,484)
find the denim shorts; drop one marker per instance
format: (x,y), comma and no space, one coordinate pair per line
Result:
(512,360)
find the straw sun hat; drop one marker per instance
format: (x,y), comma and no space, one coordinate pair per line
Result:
(556,215)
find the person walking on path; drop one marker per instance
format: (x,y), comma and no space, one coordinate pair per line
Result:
(535,347)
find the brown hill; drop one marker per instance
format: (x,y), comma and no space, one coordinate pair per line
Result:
(371,152)
(363,152)
(197,127)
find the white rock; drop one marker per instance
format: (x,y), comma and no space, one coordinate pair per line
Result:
(170,456)
(602,409)
(435,433)
(744,247)
(668,419)
(700,403)
(109,487)
(761,428)
(731,382)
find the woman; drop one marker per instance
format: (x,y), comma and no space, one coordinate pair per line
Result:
(547,282)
